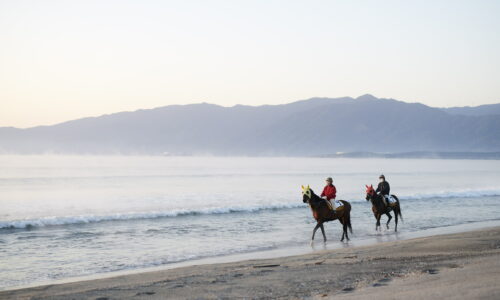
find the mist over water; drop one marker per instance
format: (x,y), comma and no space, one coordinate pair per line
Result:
(66,216)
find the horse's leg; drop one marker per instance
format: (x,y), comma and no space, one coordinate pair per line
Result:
(346,221)
(377,226)
(390,218)
(314,231)
(323,232)
(396,220)
(344,225)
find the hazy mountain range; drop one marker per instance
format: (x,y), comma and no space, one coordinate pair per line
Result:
(488,109)
(317,126)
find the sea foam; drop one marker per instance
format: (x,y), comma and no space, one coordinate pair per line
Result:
(83,219)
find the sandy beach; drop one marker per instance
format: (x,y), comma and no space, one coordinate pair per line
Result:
(455,266)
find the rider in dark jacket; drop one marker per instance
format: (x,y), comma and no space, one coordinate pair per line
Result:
(383,188)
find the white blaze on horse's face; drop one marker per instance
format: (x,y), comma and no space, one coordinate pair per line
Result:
(306,191)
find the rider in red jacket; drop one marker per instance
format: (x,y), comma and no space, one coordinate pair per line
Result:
(329,192)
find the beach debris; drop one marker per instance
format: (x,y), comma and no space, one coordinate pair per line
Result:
(266,266)
(145,293)
(453,266)
(431,271)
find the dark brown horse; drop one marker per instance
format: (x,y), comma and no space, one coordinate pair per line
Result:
(379,208)
(323,213)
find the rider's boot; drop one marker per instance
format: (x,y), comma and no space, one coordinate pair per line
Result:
(386,202)
(384,199)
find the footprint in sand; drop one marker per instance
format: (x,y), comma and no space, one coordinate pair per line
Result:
(382,282)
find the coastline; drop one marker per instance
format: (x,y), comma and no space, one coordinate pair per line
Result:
(322,273)
(282,252)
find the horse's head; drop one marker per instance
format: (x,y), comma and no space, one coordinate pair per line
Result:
(306,194)
(370,192)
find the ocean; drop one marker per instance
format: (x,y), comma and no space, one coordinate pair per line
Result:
(64,217)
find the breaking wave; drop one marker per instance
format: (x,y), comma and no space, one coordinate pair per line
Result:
(84,219)
(457,194)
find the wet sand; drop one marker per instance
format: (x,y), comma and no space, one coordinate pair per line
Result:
(454,266)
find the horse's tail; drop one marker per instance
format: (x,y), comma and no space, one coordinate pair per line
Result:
(349,223)
(399,208)
(348,216)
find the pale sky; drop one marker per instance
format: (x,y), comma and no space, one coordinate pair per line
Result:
(61,60)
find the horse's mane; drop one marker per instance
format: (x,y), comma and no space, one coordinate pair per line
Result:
(377,200)
(315,197)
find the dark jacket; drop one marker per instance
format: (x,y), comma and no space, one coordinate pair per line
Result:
(383,188)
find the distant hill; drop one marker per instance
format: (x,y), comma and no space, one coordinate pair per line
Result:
(317,126)
(482,110)
(419,154)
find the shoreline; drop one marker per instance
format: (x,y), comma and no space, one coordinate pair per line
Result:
(324,272)
(306,248)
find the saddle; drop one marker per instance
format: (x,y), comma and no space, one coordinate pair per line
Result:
(337,205)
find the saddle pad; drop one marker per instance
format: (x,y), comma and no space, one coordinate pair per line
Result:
(392,202)
(338,205)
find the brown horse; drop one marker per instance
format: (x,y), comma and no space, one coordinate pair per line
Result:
(379,208)
(323,213)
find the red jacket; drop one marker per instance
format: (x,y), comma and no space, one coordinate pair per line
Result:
(330,192)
